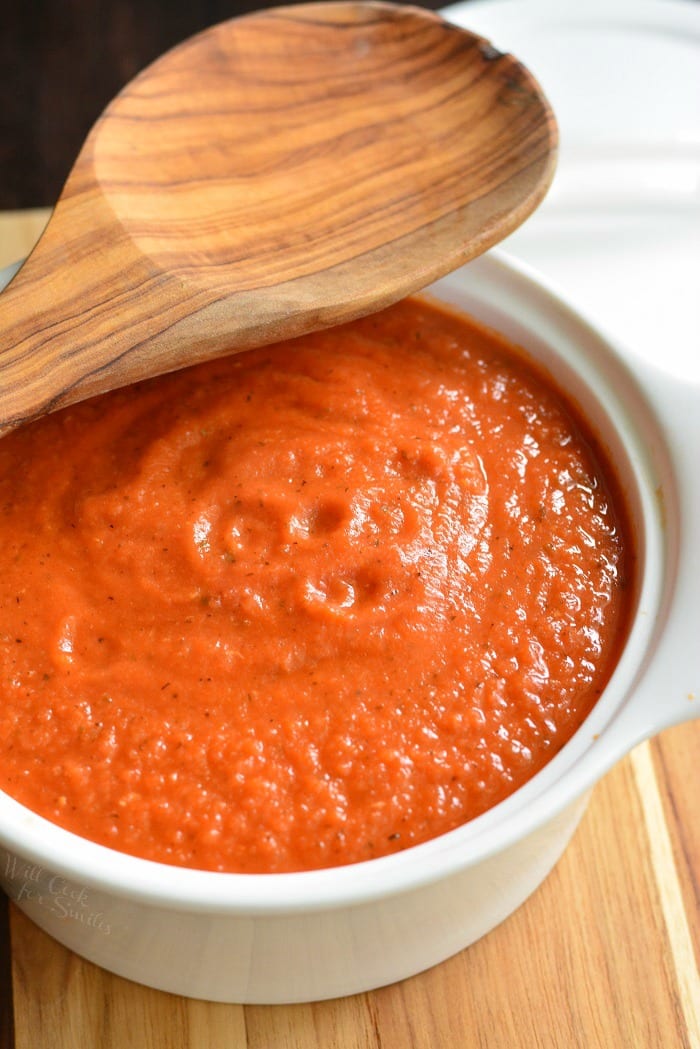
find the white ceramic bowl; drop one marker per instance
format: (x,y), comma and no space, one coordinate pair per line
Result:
(299,937)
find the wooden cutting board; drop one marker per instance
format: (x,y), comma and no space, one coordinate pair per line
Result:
(605,954)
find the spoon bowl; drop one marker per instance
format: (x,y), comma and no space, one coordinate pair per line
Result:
(284,171)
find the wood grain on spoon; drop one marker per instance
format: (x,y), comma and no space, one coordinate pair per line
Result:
(284,171)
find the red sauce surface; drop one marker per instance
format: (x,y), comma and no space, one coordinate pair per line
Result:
(305,606)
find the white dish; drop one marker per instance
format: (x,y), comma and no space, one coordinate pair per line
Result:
(296,937)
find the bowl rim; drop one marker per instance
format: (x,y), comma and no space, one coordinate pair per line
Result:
(564,779)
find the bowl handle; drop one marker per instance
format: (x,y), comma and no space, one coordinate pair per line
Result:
(668,692)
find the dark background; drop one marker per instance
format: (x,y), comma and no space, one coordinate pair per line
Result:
(62,61)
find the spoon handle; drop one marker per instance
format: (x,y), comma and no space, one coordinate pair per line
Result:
(56,346)
(129,320)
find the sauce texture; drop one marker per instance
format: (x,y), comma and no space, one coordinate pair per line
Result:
(307,605)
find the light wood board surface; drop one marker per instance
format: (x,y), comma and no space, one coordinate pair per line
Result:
(19,232)
(605,954)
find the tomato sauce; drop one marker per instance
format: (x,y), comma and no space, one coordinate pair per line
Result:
(307,605)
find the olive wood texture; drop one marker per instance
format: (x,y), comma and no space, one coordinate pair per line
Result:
(281,172)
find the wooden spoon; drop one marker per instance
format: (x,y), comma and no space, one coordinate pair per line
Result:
(281,172)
